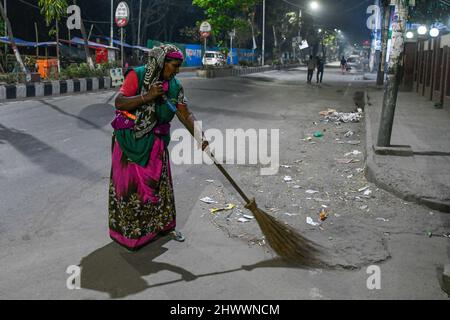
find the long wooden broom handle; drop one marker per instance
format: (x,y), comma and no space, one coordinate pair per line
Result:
(210,154)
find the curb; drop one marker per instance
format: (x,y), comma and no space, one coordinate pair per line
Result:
(235,72)
(51,88)
(372,172)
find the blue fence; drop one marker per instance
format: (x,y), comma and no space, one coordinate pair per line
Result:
(194,53)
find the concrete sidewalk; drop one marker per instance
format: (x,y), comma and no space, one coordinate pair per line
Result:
(425,176)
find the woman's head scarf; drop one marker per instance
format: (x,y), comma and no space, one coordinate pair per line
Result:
(146,115)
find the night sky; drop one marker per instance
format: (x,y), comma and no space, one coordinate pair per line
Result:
(348,15)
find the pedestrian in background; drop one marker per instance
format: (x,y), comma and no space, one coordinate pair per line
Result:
(320,68)
(311,68)
(343,65)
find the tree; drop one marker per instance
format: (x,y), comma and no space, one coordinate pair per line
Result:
(13,43)
(53,10)
(430,11)
(227,15)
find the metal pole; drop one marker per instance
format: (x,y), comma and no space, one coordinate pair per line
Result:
(90,32)
(264,32)
(139,24)
(6,34)
(231,50)
(112,22)
(37,40)
(121,44)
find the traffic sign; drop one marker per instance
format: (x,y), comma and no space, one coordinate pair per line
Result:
(205,27)
(122,14)
(205,34)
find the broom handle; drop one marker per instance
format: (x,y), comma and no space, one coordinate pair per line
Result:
(210,154)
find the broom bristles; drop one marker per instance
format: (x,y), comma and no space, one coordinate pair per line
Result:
(285,241)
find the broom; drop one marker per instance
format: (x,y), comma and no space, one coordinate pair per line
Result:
(288,244)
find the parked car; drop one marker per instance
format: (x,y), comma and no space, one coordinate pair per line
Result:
(214,58)
(354,62)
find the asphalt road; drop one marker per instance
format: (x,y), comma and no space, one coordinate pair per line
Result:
(54,174)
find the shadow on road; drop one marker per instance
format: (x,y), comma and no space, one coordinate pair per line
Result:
(115,271)
(102,113)
(45,156)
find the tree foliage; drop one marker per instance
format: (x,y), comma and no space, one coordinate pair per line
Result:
(227,15)
(53,11)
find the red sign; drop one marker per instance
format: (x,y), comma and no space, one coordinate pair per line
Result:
(122,14)
(205,34)
(121,22)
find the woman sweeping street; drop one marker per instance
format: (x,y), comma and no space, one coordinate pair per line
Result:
(141,197)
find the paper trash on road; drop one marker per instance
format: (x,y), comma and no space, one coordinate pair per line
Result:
(311,191)
(363,189)
(208,200)
(310,221)
(345,117)
(290,214)
(349,133)
(243,220)
(230,206)
(246,216)
(287,178)
(353,153)
(367,192)
(327,113)
(209,180)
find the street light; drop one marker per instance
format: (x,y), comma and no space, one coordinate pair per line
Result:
(422,30)
(314,5)
(410,35)
(434,32)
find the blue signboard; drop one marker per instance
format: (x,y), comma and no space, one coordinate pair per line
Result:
(193,55)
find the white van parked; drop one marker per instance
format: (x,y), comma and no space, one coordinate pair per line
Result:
(214,58)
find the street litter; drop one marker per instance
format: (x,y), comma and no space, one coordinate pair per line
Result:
(287,178)
(363,207)
(349,176)
(382,219)
(328,112)
(209,180)
(285,166)
(243,220)
(208,200)
(363,189)
(246,216)
(311,191)
(290,214)
(318,134)
(354,153)
(367,192)
(323,215)
(359,170)
(349,133)
(307,139)
(296,187)
(310,221)
(347,161)
(345,117)
(354,142)
(230,206)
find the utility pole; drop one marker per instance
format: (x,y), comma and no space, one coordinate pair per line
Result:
(384,40)
(394,74)
(112,24)
(139,24)
(6,32)
(264,33)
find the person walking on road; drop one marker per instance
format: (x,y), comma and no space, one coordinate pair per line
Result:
(320,69)
(311,67)
(141,197)
(343,65)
